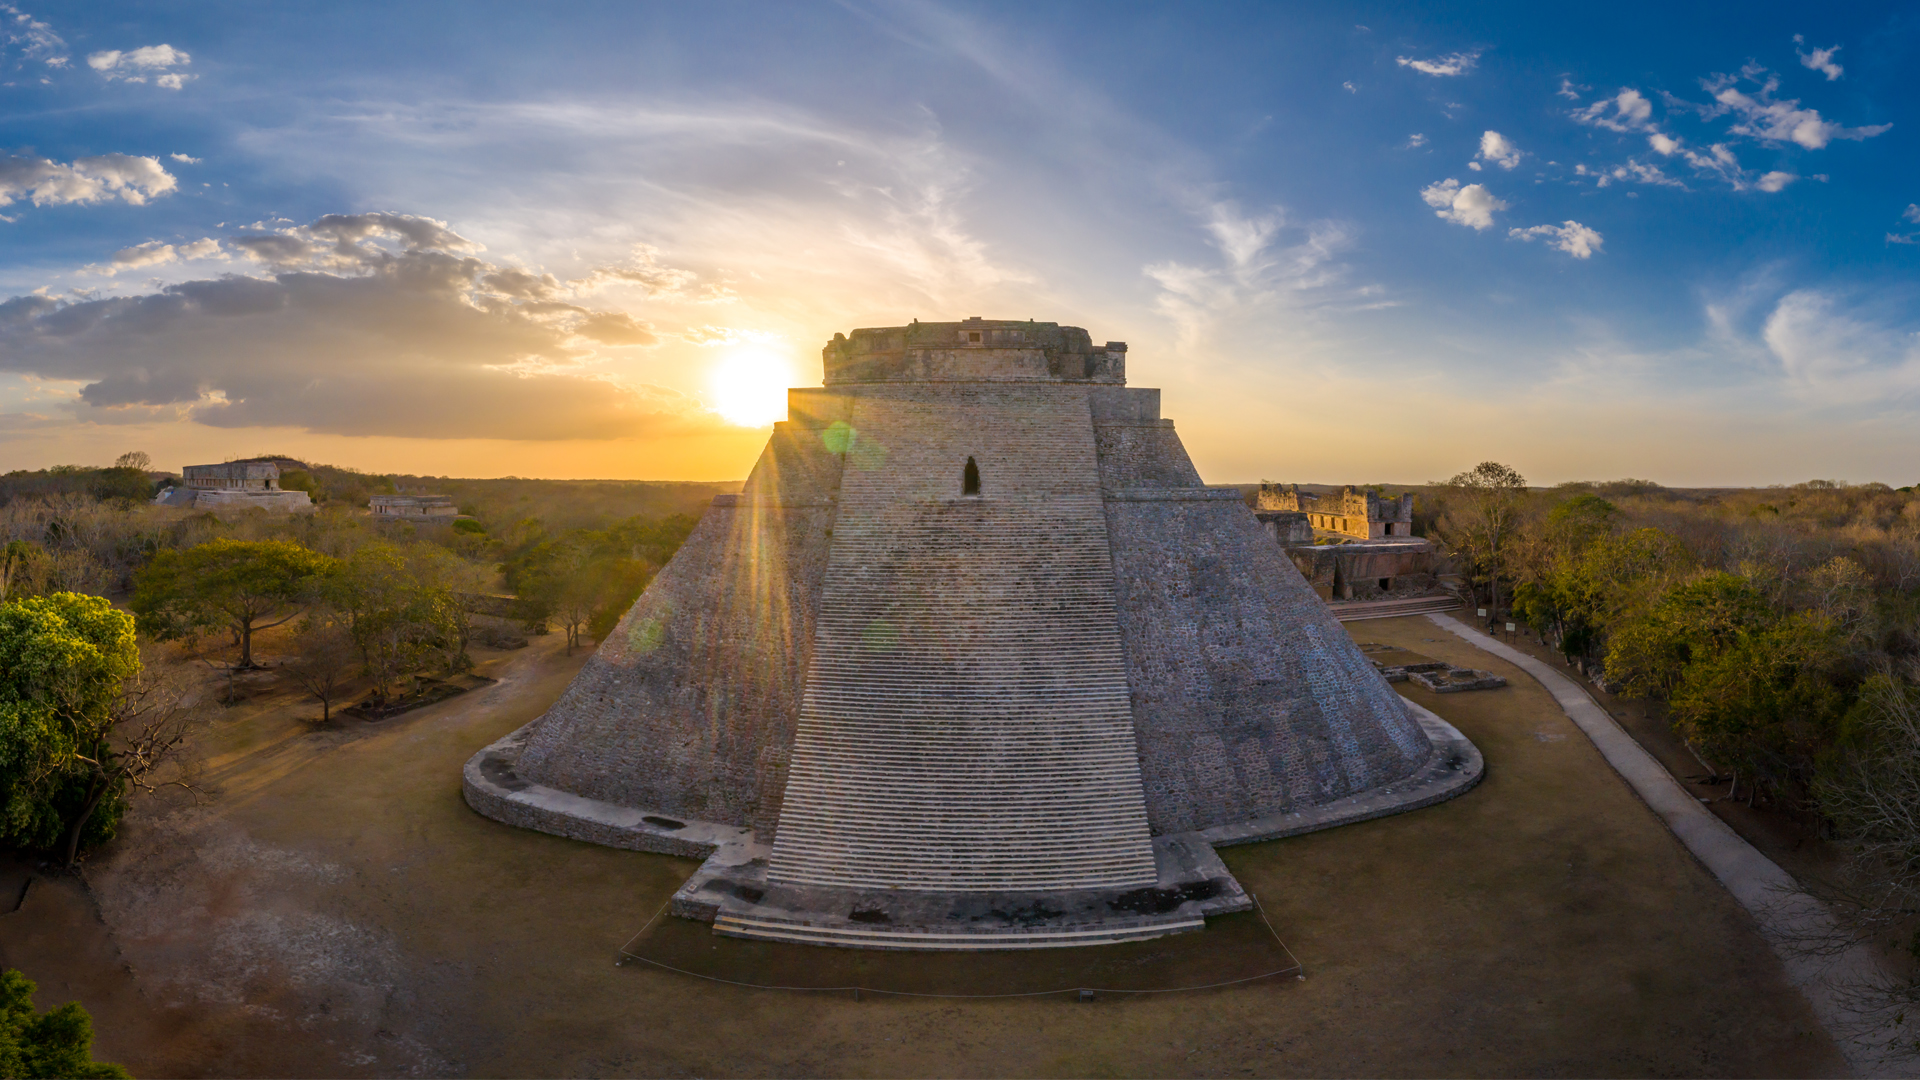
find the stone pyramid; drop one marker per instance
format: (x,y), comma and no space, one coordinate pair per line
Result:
(975,660)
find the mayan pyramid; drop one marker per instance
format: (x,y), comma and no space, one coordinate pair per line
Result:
(974,636)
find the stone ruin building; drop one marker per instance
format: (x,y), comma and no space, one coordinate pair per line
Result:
(418,509)
(974,661)
(1358,544)
(1355,512)
(235,485)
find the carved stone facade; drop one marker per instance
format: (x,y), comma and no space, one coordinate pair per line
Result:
(234,485)
(427,509)
(1355,512)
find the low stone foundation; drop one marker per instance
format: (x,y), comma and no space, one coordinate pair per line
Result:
(731,890)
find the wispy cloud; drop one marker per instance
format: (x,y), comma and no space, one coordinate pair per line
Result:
(1452,64)
(30,38)
(1626,111)
(1820,60)
(1759,116)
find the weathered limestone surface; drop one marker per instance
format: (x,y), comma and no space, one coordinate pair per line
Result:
(966,722)
(688,707)
(862,676)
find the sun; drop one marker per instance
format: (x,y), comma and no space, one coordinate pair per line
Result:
(750,387)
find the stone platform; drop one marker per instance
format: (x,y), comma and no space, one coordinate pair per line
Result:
(732,892)
(731,889)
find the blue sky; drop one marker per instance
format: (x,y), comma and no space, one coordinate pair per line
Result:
(1355,243)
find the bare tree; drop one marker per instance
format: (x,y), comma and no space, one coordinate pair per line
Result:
(156,712)
(327,661)
(1871,794)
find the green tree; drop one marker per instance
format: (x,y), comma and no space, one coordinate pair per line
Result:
(242,585)
(397,620)
(56,1043)
(1649,652)
(1768,701)
(65,662)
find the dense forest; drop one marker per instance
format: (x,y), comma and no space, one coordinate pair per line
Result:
(1779,629)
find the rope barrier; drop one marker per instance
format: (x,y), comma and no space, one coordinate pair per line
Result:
(1296,968)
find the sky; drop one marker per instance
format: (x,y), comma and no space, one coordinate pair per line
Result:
(1351,243)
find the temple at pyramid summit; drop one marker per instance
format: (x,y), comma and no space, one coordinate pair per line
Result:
(974,661)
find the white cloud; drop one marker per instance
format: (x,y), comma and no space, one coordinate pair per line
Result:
(1573,238)
(135,65)
(1472,206)
(1912,213)
(1453,64)
(1772,121)
(1570,89)
(1350,88)
(184,159)
(34,39)
(1635,171)
(88,180)
(1896,238)
(1820,60)
(1665,144)
(1774,181)
(1630,112)
(1499,150)
(1415,141)
(156,253)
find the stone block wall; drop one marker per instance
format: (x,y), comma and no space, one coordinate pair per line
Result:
(966,722)
(688,706)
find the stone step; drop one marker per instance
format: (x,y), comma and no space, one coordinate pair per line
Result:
(1358,610)
(943,939)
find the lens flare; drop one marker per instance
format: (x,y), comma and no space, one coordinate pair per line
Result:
(750,387)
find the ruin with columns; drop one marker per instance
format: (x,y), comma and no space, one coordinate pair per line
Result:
(974,661)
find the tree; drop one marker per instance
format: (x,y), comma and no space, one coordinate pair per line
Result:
(1648,653)
(58,1042)
(246,586)
(120,482)
(326,659)
(80,722)
(24,568)
(150,721)
(1767,701)
(396,619)
(1490,497)
(133,459)
(1868,787)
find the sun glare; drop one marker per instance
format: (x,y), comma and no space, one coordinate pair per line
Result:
(750,387)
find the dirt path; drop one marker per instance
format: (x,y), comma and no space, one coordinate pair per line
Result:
(339,911)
